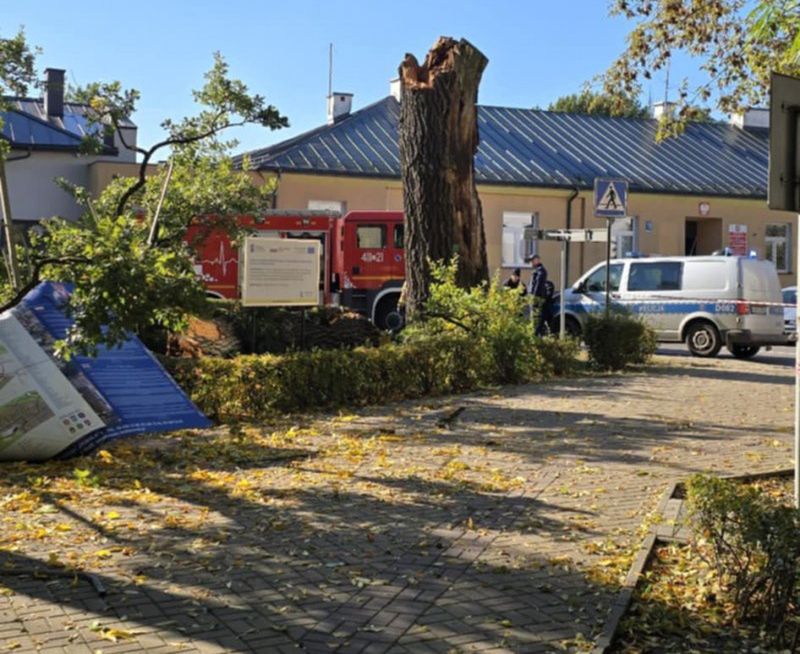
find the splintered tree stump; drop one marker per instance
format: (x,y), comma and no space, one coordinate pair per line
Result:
(438,139)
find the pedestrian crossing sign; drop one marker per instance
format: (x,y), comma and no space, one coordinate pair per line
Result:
(610,198)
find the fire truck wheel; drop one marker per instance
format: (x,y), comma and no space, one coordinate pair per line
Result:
(388,316)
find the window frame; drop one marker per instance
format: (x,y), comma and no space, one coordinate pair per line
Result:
(384,236)
(771,244)
(516,228)
(399,227)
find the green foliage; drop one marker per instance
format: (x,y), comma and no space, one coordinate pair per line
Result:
(125,280)
(738,46)
(618,340)
(121,284)
(599,104)
(17,71)
(255,387)
(752,543)
(494,316)
(260,386)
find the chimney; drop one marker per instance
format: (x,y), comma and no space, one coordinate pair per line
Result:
(339,105)
(755,117)
(396,88)
(54,92)
(662,108)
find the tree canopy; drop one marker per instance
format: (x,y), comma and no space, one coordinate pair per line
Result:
(599,104)
(126,257)
(737,44)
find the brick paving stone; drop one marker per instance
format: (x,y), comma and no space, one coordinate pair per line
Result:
(410,555)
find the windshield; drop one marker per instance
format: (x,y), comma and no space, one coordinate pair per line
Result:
(596,282)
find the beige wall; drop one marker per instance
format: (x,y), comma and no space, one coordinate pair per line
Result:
(667,215)
(102,173)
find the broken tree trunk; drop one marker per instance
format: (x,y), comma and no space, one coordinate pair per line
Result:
(438,138)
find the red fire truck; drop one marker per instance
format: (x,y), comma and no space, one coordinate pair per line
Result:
(362,267)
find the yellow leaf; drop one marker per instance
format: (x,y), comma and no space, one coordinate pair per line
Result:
(13,645)
(116,634)
(105,456)
(113,515)
(63,526)
(103,554)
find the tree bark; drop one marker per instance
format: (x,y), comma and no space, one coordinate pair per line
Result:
(438,139)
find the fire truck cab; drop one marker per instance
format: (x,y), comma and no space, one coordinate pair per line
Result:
(362,266)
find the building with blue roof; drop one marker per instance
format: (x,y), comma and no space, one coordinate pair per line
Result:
(45,135)
(688,195)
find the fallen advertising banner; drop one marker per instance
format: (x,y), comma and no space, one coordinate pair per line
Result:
(50,407)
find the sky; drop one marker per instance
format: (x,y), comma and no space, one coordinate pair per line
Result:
(538,50)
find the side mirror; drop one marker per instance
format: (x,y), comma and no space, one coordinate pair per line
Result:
(580,287)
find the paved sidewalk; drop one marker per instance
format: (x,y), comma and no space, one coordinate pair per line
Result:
(378,531)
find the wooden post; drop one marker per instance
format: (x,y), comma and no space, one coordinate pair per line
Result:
(8,230)
(438,138)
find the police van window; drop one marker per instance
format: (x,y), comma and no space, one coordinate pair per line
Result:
(656,276)
(789,297)
(399,236)
(596,282)
(371,236)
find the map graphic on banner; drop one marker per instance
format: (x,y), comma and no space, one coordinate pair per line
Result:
(50,407)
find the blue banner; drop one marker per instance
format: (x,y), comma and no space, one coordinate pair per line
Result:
(126,389)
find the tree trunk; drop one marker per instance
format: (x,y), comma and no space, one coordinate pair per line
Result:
(438,138)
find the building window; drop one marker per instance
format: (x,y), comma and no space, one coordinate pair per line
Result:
(371,237)
(776,242)
(328,205)
(625,237)
(515,248)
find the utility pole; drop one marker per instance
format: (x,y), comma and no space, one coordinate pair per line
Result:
(8,230)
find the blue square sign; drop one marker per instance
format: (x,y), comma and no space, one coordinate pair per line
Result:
(610,198)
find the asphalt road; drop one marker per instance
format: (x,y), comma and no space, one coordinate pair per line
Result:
(775,356)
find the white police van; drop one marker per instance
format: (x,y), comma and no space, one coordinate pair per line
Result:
(707,302)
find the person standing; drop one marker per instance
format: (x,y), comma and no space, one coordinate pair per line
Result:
(539,292)
(515,282)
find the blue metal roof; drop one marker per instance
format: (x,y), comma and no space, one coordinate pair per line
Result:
(26,125)
(531,147)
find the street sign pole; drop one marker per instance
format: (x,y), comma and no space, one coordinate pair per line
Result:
(797,388)
(610,201)
(608,264)
(783,194)
(562,320)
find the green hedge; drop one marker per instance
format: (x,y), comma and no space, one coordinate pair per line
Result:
(260,386)
(618,340)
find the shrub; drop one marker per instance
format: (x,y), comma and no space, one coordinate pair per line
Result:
(497,318)
(618,340)
(260,386)
(753,545)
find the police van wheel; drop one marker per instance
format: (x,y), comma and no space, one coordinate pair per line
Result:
(744,351)
(703,340)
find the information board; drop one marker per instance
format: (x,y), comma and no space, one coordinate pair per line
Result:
(280,272)
(51,407)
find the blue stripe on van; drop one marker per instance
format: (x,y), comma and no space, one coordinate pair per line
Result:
(721,307)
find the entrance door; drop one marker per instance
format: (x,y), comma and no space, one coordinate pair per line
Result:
(702,236)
